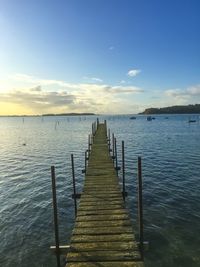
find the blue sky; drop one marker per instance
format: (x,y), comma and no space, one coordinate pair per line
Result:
(98,55)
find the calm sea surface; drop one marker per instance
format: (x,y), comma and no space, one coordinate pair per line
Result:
(170,150)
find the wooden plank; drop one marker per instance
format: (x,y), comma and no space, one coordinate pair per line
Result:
(101,212)
(103,230)
(106,264)
(93,223)
(103,217)
(102,238)
(101,207)
(100,246)
(103,256)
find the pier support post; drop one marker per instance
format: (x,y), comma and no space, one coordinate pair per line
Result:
(93,129)
(116,160)
(109,140)
(140,208)
(105,125)
(113,146)
(123,171)
(53,178)
(74,184)
(89,144)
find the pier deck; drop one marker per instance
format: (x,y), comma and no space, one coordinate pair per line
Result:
(103,234)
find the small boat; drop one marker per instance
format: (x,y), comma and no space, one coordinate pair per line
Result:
(133,118)
(191,121)
(149,118)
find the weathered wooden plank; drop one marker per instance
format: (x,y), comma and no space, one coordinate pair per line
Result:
(103,217)
(103,230)
(111,195)
(99,223)
(100,207)
(101,202)
(106,264)
(103,256)
(101,212)
(95,246)
(103,238)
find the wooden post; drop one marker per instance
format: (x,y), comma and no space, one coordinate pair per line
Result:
(97,123)
(123,171)
(105,125)
(116,161)
(74,184)
(88,145)
(53,179)
(85,161)
(140,208)
(109,140)
(113,146)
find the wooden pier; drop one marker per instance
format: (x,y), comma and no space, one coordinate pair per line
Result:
(103,235)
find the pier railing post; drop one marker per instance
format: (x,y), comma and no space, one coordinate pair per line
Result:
(92,129)
(123,171)
(53,178)
(113,146)
(74,184)
(89,143)
(116,160)
(109,140)
(86,158)
(105,125)
(140,208)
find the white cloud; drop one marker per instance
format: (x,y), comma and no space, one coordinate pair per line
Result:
(93,79)
(190,95)
(133,72)
(194,90)
(123,89)
(188,92)
(97,80)
(49,95)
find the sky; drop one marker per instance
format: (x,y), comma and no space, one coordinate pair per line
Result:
(101,56)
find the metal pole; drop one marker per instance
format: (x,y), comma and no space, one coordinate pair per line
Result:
(116,161)
(123,170)
(74,184)
(140,208)
(53,179)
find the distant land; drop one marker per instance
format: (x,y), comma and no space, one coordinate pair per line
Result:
(70,114)
(189,109)
(61,114)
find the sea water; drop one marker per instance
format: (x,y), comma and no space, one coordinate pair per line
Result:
(170,151)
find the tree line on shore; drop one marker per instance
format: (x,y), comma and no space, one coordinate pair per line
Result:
(189,109)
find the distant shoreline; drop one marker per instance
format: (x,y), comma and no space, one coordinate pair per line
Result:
(50,115)
(189,109)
